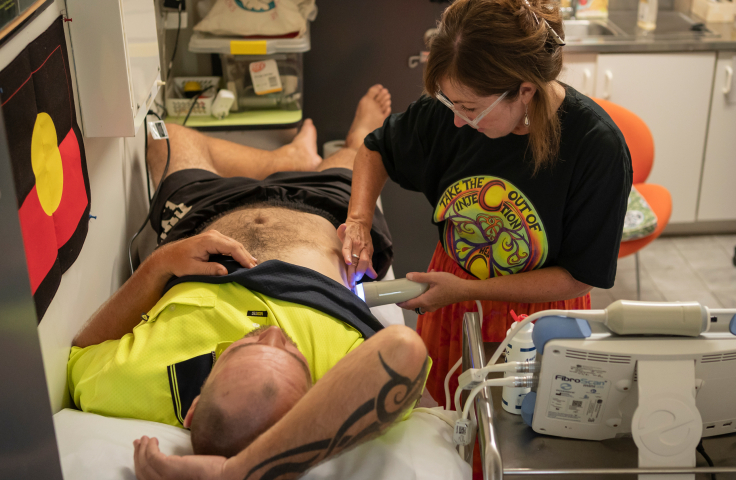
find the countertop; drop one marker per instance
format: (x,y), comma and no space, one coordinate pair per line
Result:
(666,38)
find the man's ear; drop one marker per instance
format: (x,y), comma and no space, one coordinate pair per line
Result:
(190,413)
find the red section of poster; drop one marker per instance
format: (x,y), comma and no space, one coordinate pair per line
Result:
(39,239)
(74,195)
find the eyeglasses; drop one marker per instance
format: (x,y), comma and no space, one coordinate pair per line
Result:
(559,41)
(473,123)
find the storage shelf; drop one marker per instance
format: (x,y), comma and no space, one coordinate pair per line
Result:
(206,43)
(255,119)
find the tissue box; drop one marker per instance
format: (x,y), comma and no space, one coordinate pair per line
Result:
(712,11)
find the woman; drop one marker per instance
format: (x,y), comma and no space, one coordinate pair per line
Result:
(529,179)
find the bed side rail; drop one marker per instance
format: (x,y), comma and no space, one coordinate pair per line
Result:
(474,357)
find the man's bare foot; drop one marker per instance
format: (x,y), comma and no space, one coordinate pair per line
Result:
(373,108)
(301,154)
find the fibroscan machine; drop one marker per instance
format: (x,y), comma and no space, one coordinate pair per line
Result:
(656,372)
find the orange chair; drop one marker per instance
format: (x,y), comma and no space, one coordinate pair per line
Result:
(641,145)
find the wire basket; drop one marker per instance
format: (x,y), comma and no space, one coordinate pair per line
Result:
(178,105)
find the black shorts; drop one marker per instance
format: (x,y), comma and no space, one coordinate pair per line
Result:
(190,199)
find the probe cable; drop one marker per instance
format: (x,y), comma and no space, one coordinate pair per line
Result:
(701,450)
(155,194)
(457,365)
(494,382)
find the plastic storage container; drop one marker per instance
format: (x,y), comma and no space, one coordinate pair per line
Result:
(178,105)
(281,109)
(206,43)
(236,70)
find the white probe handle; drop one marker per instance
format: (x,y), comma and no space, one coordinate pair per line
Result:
(625,317)
(392,291)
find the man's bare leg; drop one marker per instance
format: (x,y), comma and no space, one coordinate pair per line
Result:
(373,108)
(191,149)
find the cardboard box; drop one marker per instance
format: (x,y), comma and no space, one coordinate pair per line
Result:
(712,11)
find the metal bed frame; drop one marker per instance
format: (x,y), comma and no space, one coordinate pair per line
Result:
(524,441)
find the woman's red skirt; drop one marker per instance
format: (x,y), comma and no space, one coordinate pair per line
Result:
(442,332)
(442,329)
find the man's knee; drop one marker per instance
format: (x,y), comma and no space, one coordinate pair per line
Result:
(186,148)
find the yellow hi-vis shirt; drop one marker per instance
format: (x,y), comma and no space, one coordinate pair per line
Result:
(155,372)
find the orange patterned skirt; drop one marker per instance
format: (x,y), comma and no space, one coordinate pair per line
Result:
(442,329)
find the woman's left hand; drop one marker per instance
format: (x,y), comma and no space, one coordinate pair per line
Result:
(444,289)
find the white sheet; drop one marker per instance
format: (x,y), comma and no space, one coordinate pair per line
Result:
(92,446)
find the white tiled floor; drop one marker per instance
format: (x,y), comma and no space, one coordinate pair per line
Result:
(678,269)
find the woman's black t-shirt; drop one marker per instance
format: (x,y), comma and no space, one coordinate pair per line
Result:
(494,216)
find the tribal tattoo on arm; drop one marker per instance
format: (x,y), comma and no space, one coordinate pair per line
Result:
(395,396)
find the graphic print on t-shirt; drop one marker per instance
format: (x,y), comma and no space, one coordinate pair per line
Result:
(491,227)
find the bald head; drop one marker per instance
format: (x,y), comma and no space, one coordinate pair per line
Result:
(256,381)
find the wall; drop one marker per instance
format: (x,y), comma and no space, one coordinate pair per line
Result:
(27,444)
(117,182)
(355,45)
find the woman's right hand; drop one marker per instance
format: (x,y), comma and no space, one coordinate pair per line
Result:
(357,250)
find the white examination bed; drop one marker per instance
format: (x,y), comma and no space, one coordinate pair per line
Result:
(101,448)
(93,446)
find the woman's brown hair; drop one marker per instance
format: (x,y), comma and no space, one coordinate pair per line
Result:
(491,46)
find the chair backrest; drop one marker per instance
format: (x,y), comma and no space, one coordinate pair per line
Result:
(638,138)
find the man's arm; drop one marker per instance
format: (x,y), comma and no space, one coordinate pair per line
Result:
(364,394)
(119,314)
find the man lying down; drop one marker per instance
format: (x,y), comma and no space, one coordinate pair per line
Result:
(247,301)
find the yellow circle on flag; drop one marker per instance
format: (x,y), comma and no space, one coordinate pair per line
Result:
(46,163)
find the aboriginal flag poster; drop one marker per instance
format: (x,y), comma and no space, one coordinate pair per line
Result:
(47,156)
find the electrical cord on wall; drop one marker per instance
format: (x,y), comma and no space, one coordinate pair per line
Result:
(194,102)
(169,69)
(152,200)
(155,194)
(145,155)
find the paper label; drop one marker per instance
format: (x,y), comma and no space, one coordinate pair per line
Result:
(265,77)
(463,432)
(578,396)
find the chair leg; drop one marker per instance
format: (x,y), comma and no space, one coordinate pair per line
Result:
(638,284)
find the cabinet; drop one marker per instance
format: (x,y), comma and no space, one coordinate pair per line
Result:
(671,92)
(115,49)
(718,185)
(579,71)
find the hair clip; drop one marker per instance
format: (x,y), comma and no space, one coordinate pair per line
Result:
(559,41)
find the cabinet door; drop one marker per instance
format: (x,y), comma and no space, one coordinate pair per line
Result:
(578,71)
(718,187)
(671,93)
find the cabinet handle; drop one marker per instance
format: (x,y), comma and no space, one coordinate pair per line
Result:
(586,81)
(729,80)
(608,79)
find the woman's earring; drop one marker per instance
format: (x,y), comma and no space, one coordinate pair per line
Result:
(526,117)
